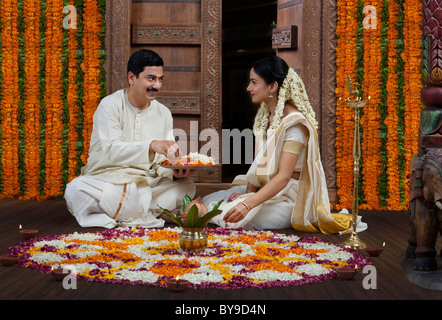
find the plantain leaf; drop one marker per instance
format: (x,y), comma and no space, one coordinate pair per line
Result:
(192,217)
(217,205)
(203,221)
(186,201)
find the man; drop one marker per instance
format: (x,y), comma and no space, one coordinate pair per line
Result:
(122,183)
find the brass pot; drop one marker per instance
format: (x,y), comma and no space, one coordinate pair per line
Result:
(193,239)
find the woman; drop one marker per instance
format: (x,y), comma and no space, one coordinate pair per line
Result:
(285,185)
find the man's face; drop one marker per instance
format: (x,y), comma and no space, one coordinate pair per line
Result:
(147,85)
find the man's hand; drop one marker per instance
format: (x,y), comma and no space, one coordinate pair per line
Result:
(182,173)
(168,148)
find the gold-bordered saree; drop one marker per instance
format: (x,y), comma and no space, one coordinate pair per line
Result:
(311,211)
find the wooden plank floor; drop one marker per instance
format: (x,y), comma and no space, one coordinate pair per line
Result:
(52,217)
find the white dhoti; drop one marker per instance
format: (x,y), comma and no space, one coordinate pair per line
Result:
(97,203)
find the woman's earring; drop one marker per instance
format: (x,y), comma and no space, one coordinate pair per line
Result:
(270,95)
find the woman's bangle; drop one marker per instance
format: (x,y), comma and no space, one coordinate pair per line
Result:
(245,204)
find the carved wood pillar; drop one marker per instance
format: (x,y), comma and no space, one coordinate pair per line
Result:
(431,94)
(118,24)
(318,71)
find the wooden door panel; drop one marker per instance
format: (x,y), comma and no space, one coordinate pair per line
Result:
(166,13)
(178,81)
(290,13)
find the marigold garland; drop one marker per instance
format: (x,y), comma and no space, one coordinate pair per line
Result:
(72,97)
(10,95)
(35,159)
(234,259)
(399,138)
(370,142)
(412,79)
(31,105)
(91,69)
(346,64)
(391,121)
(54,102)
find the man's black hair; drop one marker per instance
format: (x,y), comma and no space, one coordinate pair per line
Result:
(141,59)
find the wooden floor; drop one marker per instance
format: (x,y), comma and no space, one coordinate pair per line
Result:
(52,217)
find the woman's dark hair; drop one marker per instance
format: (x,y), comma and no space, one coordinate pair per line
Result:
(272,69)
(141,59)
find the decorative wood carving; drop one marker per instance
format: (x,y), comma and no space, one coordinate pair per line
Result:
(180,34)
(431,94)
(432,31)
(185,104)
(329,100)
(118,20)
(211,93)
(319,75)
(286,38)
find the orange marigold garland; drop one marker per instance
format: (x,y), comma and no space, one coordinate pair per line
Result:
(10,99)
(91,69)
(412,79)
(391,121)
(346,57)
(53,100)
(401,123)
(31,105)
(72,96)
(370,114)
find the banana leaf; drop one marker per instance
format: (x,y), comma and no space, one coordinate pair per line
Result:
(193,220)
(203,221)
(192,217)
(186,201)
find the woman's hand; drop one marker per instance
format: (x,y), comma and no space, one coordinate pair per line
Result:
(233,196)
(236,214)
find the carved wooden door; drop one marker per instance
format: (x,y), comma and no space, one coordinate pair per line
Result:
(187,35)
(285,36)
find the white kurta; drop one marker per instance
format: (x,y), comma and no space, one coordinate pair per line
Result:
(122,182)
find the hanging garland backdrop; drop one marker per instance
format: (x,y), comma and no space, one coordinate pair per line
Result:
(386,61)
(234,259)
(51,81)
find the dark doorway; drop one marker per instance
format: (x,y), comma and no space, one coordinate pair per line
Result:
(247,38)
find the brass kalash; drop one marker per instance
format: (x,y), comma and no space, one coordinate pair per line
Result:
(357,104)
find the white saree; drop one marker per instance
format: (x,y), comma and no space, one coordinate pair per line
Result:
(303,204)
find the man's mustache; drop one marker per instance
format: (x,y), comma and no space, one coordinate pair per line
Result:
(152,90)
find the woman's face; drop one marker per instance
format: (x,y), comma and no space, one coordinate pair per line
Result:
(258,88)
